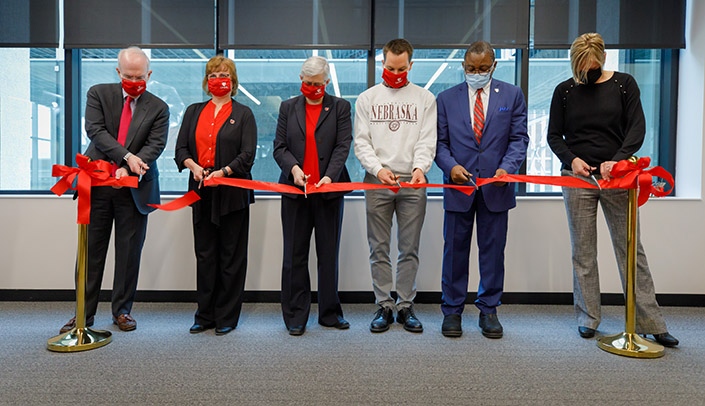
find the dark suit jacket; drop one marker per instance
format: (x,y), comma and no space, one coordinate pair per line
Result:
(503,144)
(333,139)
(235,147)
(146,136)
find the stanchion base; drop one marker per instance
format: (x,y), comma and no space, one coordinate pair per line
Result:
(79,339)
(630,345)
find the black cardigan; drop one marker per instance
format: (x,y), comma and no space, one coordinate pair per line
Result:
(235,147)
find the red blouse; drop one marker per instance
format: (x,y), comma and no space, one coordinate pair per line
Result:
(207,132)
(313,112)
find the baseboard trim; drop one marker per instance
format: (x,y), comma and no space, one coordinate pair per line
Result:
(273,296)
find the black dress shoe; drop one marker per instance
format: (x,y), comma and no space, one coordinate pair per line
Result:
(666,339)
(221,331)
(490,325)
(340,324)
(384,316)
(407,317)
(451,326)
(297,330)
(586,332)
(199,328)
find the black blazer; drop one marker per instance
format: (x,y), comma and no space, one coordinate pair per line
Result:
(235,148)
(333,139)
(146,136)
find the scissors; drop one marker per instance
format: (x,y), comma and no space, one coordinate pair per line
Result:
(204,173)
(596,182)
(469,176)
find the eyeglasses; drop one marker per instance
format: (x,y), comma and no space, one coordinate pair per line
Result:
(317,84)
(134,78)
(483,70)
(219,75)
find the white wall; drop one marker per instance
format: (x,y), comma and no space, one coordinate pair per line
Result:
(38,238)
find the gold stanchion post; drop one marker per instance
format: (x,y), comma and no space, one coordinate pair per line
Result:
(628,343)
(80,338)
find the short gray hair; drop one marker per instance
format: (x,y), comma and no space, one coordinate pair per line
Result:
(132,50)
(315,65)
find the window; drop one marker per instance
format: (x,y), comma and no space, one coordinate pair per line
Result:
(548,68)
(268,77)
(441,69)
(31,117)
(176,79)
(532,37)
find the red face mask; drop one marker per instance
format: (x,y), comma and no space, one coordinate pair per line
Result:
(394,80)
(134,88)
(220,86)
(313,92)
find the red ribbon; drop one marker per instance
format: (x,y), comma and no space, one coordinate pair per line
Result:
(326,187)
(635,174)
(626,175)
(89,173)
(178,204)
(567,181)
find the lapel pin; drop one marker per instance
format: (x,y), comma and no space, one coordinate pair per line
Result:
(232,121)
(327,108)
(496,90)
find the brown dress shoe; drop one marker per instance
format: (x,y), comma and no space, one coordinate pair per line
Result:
(125,322)
(71,324)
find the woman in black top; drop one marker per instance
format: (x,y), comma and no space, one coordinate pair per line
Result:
(218,138)
(596,119)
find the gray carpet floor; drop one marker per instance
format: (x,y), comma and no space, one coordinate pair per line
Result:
(540,361)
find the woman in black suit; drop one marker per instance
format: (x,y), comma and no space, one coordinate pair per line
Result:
(219,138)
(313,138)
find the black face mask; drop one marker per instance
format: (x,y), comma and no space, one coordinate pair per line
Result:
(592,76)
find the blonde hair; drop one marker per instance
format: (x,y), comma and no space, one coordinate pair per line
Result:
(216,64)
(585,50)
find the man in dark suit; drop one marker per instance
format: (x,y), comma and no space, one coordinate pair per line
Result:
(133,150)
(314,133)
(481,133)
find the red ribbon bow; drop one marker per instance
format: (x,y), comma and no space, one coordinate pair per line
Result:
(89,173)
(636,174)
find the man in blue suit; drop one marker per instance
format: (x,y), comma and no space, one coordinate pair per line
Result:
(481,133)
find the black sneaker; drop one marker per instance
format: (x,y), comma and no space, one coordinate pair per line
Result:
(407,317)
(384,316)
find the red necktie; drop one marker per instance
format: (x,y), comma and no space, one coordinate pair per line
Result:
(125,119)
(478,116)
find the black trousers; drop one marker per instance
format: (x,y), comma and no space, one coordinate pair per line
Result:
(221,265)
(110,205)
(300,216)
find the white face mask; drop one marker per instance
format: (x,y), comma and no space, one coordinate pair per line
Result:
(478,80)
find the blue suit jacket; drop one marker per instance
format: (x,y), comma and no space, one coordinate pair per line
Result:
(504,142)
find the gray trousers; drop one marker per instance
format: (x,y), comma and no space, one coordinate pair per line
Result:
(410,207)
(581,207)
